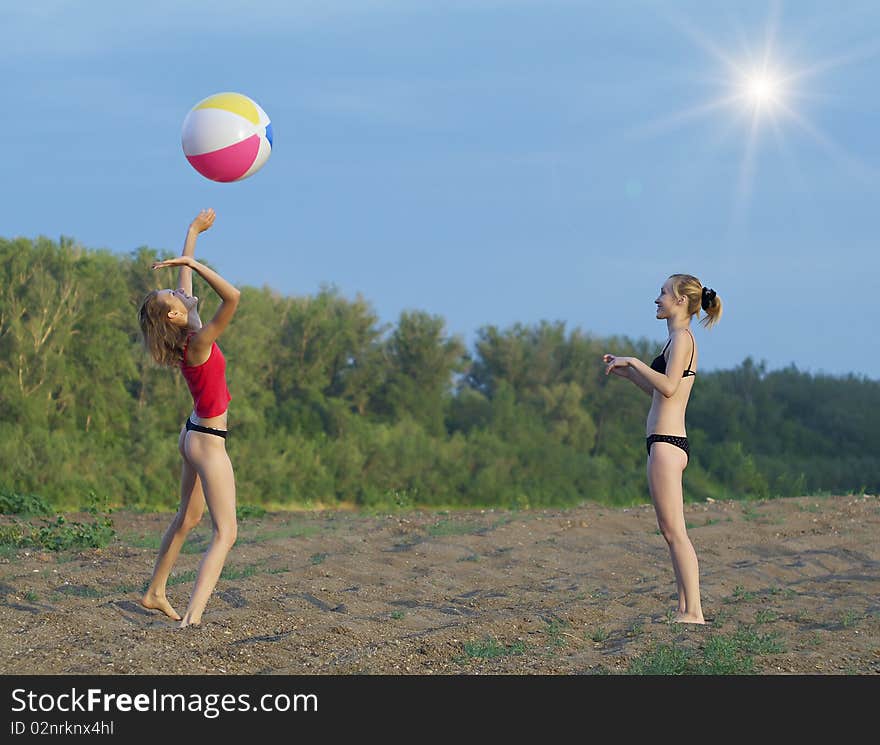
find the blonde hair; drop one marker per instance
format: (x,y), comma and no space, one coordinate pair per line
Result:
(698,296)
(164,341)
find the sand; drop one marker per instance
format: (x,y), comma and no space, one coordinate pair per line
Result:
(587,590)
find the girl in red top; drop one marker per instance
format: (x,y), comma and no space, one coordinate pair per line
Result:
(176,337)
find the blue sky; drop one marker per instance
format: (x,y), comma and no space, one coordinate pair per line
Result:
(487,161)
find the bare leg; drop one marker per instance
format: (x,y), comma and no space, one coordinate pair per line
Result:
(192,507)
(682,607)
(208,452)
(665,467)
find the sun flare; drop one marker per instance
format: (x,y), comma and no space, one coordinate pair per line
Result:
(763,90)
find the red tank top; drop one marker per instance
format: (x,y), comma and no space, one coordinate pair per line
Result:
(207,383)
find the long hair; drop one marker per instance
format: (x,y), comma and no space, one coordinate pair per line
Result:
(698,297)
(164,341)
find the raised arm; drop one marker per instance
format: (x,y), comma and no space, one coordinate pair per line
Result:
(203,338)
(201,222)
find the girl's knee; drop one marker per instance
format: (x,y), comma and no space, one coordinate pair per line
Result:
(226,535)
(189,521)
(673,534)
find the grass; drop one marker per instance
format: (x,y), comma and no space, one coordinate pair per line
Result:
(722,654)
(60,535)
(554,631)
(31,596)
(126,588)
(664,659)
(490,649)
(236,573)
(740,594)
(194,544)
(397,614)
(318,558)
(245,511)
(599,635)
(750,513)
(292,531)
(176,579)
(12,503)
(850,618)
(765,616)
(451,527)
(80,591)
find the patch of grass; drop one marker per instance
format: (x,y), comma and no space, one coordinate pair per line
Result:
(142,541)
(664,659)
(236,573)
(810,508)
(850,618)
(722,654)
(291,531)
(754,643)
(450,527)
(490,648)
(31,596)
(599,635)
(80,591)
(554,631)
(61,534)
(765,616)
(402,499)
(176,579)
(397,614)
(245,511)
(12,503)
(740,594)
(126,588)
(194,544)
(318,558)
(7,551)
(635,630)
(750,513)
(469,557)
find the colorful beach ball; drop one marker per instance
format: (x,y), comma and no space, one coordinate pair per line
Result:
(227,137)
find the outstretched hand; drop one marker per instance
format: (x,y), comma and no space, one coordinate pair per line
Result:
(204,220)
(175,261)
(616,365)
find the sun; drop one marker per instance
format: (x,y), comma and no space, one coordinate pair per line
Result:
(760,94)
(763,90)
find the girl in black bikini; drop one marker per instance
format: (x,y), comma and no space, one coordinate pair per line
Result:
(668,380)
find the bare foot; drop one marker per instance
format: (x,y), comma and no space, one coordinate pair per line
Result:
(154,602)
(685,618)
(184,624)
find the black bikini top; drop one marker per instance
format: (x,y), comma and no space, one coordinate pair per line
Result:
(659,362)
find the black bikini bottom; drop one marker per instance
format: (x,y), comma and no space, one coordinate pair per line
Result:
(207,430)
(681,442)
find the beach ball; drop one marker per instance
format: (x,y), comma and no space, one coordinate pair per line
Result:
(227,137)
